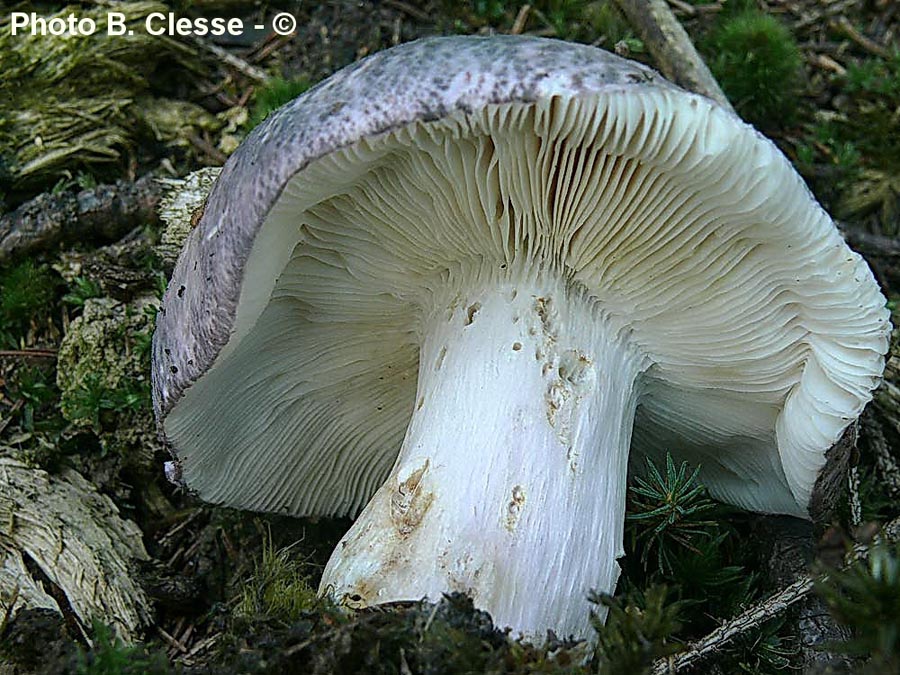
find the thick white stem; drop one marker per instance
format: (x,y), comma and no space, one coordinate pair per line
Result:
(510,484)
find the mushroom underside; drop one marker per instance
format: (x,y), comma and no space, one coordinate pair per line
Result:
(388,307)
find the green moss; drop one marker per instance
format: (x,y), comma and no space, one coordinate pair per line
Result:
(275,94)
(81,290)
(758,64)
(103,374)
(492,10)
(867,119)
(92,397)
(278,589)
(71,102)
(27,292)
(35,386)
(876,76)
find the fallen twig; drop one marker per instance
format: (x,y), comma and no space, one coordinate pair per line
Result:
(756,616)
(408,9)
(12,411)
(843,24)
(683,7)
(521,19)
(827,63)
(671,47)
(28,353)
(171,641)
(231,60)
(853,496)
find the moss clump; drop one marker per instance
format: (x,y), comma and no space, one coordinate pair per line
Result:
(27,292)
(867,119)
(449,637)
(70,102)
(275,94)
(758,64)
(278,588)
(111,656)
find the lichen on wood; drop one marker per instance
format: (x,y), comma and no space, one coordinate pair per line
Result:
(179,209)
(102,374)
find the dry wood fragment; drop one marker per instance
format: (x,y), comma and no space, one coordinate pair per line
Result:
(827,63)
(843,24)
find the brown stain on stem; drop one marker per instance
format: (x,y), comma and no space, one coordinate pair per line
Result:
(410,503)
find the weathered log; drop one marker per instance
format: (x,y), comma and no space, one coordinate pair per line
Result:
(64,546)
(107,212)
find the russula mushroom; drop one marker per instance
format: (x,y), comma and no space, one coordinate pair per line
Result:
(459,283)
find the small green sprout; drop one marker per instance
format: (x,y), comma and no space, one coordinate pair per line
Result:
(87,403)
(82,289)
(111,656)
(85,181)
(669,512)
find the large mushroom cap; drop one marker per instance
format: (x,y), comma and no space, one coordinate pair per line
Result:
(287,353)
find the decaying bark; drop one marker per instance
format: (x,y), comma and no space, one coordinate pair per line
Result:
(65,547)
(107,212)
(828,487)
(671,47)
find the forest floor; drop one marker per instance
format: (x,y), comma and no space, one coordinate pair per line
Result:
(94,132)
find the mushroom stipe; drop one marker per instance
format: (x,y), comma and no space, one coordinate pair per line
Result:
(461,286)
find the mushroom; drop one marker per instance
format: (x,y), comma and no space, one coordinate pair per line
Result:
(460,283)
